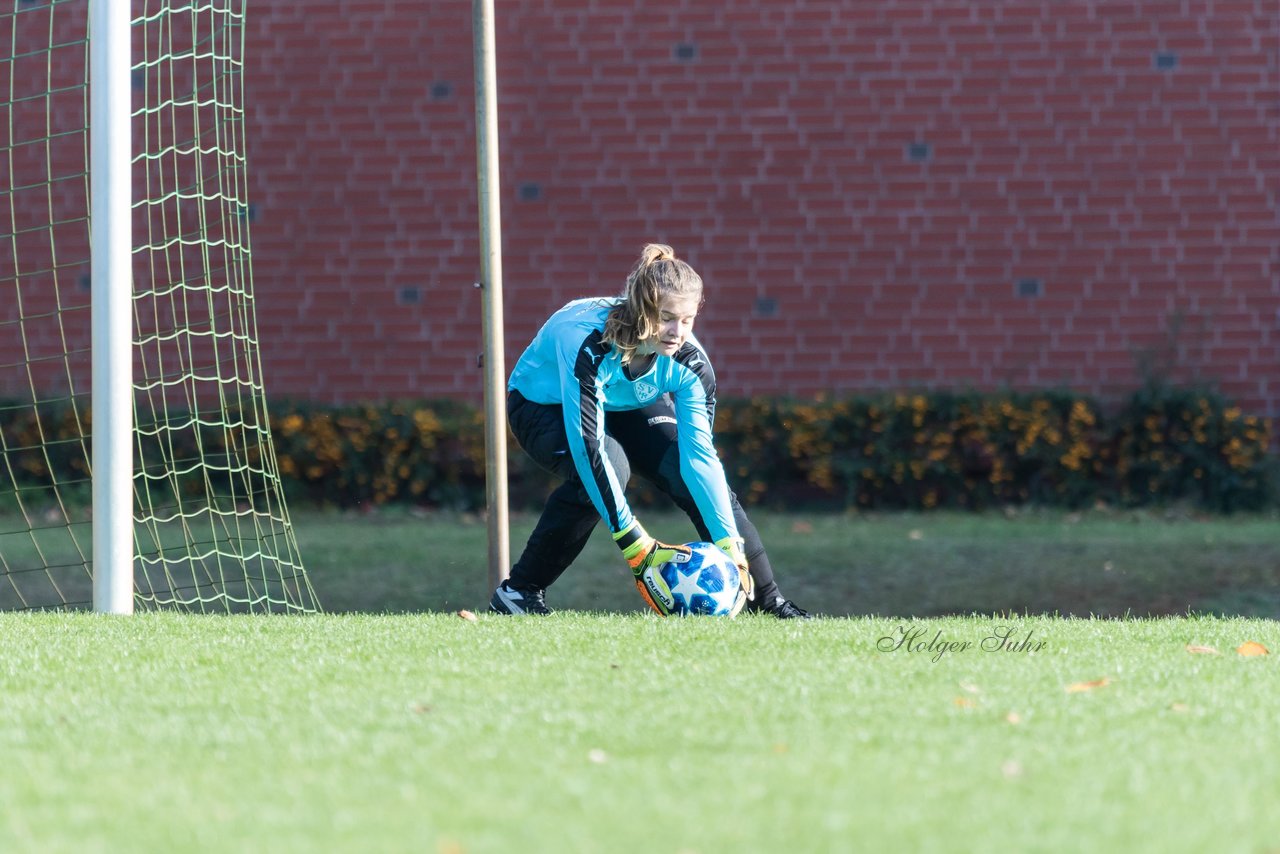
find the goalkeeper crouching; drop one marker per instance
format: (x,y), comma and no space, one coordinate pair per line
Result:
(609,385)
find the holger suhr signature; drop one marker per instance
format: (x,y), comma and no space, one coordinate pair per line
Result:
(918,640)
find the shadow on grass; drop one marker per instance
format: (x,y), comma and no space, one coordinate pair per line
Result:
(1100,564)
(909,565)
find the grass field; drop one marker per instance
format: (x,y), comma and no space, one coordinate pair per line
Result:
(1099,563)
(941,708)
(590,732)
(1049,562)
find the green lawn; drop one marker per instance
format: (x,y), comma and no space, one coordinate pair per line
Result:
(390,724)
(1049,562)
(609,732)
(937,564)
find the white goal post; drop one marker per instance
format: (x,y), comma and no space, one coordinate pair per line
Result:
(111,253)
(137,462)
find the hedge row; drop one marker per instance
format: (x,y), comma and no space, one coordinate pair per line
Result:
(972,450)
(915,451)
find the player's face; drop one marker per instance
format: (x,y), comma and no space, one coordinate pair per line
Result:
(675,322)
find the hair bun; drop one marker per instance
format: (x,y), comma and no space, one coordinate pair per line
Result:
(656,252)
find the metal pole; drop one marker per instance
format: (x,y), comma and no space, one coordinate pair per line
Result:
(112,295)
(493,360)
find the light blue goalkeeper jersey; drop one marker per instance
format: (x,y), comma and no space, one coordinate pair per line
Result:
(569,364)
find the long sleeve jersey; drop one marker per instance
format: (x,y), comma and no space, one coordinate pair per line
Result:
(569,364)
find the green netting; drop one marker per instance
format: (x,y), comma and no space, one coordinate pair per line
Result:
(211,527)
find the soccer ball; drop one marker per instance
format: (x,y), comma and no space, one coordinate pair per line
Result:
(703,582)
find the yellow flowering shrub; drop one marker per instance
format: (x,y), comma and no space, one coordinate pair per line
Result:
(948,449)
(1192,444)
(907,450)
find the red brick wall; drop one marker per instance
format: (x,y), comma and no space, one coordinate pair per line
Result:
(1119,157)
(878,194)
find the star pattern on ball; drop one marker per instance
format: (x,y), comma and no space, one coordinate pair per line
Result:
(687,587)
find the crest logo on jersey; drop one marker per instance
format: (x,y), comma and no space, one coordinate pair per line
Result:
(646,392)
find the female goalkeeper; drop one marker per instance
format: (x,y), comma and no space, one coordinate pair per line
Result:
(614,384)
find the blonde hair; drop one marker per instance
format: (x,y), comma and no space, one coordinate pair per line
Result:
(658,273)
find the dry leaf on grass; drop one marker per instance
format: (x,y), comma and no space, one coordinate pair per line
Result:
(1251,648)
(1013,718)
(964,702)
(1201,650)
(1088,686)
(801,527)
(467,615)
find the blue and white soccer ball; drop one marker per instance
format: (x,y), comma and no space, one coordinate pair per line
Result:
(705,582)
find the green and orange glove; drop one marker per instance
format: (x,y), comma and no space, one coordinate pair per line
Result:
(732,546)
(642,552)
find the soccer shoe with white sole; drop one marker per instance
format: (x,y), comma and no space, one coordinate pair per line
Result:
(516,601)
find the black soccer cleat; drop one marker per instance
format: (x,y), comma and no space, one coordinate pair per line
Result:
(515,601)
(785,609)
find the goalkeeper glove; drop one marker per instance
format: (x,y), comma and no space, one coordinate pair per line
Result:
(642,552)
(732,546)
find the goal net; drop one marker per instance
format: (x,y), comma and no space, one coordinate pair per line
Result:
(211,528)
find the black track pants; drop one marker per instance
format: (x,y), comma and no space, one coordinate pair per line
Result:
(639,439)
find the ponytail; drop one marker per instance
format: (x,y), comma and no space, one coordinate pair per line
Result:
(658,273)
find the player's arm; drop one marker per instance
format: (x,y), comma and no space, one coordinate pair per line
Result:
(582,395)
(700,465)
(583,400)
